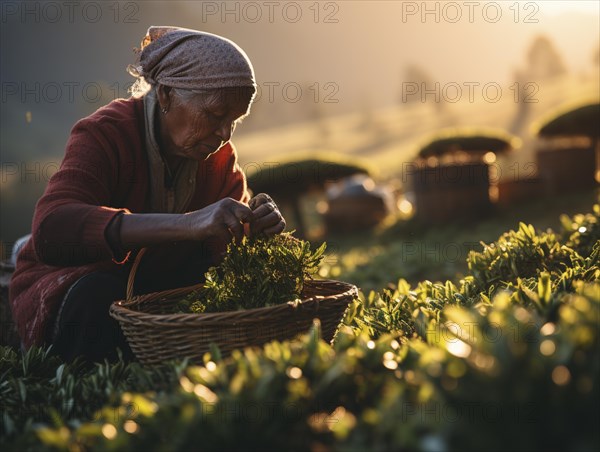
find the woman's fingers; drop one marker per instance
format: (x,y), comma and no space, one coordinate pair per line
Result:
(224,235)
(236,229)
(267,218)
(224,219)
(258,200)
(241,212)
(238,215)
(277,229)
(270,224)
(264,209)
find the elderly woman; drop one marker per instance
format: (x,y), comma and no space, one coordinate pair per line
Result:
(156,170)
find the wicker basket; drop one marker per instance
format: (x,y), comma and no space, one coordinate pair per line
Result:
(155,334)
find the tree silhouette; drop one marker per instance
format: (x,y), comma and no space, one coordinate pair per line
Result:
(543,59)
(416,74)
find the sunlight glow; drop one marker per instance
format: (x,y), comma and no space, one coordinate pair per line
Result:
(459,348)
(405,206)
(205,393)
(294,373)
(561,7)
(561,375)
(548,329)
(130,427)
(390,364)
(109,431)
(489,158)
(547,347)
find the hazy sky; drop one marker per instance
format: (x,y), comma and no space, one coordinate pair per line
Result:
(62,60)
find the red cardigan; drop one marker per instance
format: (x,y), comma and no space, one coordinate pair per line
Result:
(104,172)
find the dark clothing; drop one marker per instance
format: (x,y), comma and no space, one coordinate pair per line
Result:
(84,327)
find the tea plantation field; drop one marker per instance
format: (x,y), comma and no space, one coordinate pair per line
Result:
(504,355)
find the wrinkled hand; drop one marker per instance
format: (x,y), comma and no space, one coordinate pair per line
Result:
(224,219)
(266,217)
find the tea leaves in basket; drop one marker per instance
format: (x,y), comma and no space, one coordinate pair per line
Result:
(257,272)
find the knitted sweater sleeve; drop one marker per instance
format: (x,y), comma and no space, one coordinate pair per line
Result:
(71,217)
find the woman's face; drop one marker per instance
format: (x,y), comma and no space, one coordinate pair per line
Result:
(198,125)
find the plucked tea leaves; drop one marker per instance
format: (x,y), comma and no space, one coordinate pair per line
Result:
(257,272)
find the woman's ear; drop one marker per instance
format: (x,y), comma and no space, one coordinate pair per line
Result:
(164,94)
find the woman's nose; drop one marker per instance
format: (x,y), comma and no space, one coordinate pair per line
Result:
(225,131)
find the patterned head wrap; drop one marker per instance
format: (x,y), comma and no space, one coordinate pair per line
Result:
(194,60)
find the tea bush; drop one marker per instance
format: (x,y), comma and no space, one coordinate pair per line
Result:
(507,358)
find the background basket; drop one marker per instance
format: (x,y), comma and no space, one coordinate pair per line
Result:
(155,334)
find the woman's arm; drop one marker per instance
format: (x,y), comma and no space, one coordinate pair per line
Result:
(223,219)
(71,217)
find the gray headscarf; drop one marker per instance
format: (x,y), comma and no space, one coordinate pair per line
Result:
(191,59)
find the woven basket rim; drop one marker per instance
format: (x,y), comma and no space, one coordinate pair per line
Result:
(122,309)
